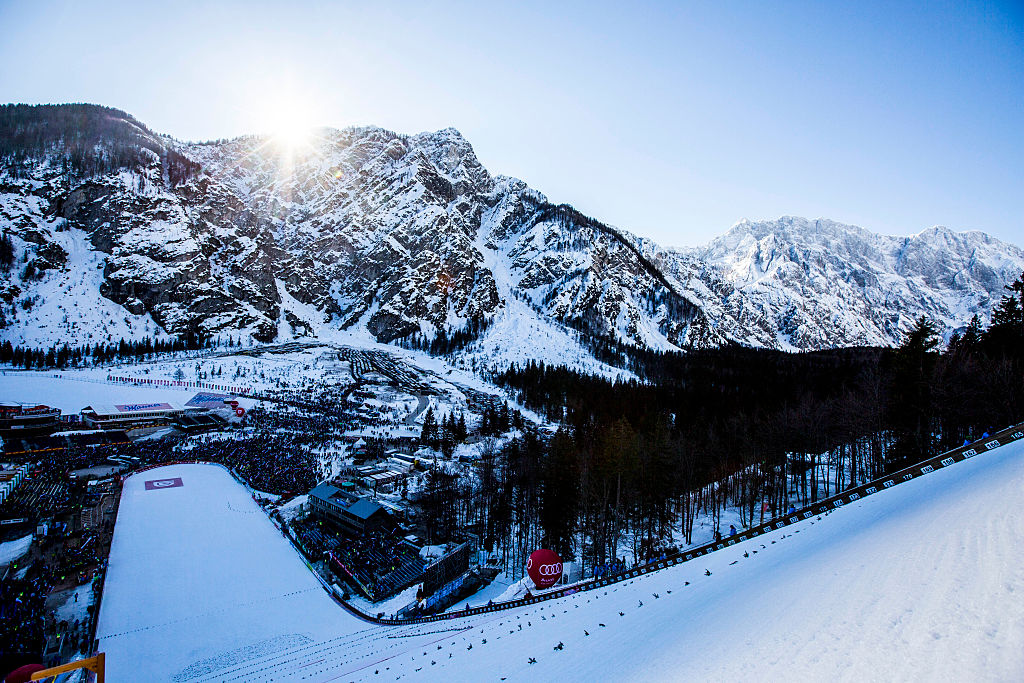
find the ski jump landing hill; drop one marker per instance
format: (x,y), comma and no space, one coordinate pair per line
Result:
(914,577)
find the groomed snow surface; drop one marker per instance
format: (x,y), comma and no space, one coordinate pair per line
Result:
(73,390)
(922,582)
(14,550)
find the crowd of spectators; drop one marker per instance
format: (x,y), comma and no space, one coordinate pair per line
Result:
(309,428)
(49,500)
(46,493)
(620,565)
(609,568)
(274,462)
(56,563)
(21,613)
(279,452)
(380,560)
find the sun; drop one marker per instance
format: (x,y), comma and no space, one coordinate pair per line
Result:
(289,123)
(293,136)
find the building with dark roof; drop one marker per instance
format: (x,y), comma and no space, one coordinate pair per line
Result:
(354,514)
(25,420)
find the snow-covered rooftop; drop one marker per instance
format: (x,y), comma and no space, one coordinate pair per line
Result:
(107,409)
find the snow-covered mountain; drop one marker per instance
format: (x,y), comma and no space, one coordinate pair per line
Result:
(807,284)
(117,231)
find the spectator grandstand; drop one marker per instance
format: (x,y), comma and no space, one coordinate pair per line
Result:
(378,564)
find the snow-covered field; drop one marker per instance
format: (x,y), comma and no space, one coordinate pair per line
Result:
(200,579)
(72,391)
(13,550)
(920,582)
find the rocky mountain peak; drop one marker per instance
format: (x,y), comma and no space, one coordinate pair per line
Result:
(820,282)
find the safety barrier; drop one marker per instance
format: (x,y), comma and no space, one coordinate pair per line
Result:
(922,468)
(178,384)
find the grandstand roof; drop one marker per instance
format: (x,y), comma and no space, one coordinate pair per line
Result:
(208,399)
(331,492)
(363,508)
(386,476)
(21,404)
(132,408)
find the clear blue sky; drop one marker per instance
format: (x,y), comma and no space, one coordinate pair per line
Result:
(672,120)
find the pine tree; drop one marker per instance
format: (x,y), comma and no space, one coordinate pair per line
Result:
(429,433)
(911,409)
(969,340)
(448,436)
(6,251)
(1006,334)
(459,429)
(560,494)
(486,420)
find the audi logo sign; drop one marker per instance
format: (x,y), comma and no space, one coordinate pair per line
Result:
(154,484)
(544,567)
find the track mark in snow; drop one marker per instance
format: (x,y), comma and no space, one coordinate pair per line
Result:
(200,615)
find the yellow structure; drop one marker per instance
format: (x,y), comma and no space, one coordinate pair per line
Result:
(94,664)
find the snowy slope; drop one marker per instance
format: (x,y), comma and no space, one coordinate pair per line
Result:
(73,391)
(914,583)
(62,303)
(200,581)
(13,550)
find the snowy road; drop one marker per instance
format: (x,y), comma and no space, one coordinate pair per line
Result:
(422,403)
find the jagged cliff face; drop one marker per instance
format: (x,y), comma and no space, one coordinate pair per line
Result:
(818,283)
(191,256)
(400,234)
(372,229)
(376,232)
(362,229)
